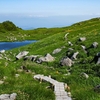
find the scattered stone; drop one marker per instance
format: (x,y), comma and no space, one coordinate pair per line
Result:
(74,55)
(66,61)
(17,75)
(56,51)
(82,39)
(8,96)
(70,49)
(94,45)
(21,54)
(84,75)
(70,44)
(2,51)
(1,82)
(47,58)
(66,36)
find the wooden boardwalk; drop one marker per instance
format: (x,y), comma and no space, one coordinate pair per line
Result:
(59,89)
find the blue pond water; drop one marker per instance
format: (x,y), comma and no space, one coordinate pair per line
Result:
(11,45)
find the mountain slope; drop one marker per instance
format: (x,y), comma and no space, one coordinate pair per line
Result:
(82,88)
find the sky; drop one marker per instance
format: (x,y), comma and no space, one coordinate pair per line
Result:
(48,13)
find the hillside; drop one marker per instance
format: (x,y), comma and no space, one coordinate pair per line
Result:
(82,75)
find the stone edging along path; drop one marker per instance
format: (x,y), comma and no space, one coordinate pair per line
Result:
(59,89)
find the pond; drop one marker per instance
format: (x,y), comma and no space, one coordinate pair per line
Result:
(11,45)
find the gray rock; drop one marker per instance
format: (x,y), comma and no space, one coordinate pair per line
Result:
(97,88)
(8,96)
(70,44)
(84,75)
(66,61)
(95,45)
(49,58)
(74,56)
(56,51)
(22,54)
(2,51)
(82,39)
(46,58)
(66,36)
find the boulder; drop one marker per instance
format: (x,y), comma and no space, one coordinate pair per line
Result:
(82,39)
(66,61)
(84,48)
(22,54)
(56,51)
(49,58)
(46,58)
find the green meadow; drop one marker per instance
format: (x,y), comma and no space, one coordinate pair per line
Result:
(49,39)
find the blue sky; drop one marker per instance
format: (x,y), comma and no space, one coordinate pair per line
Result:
(48,13)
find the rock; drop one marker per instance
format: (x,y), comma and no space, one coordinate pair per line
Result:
(84,75)
(56,51)
(70,44)
(66,36)
(97,88)
(66,61)
(17,75)
(82,39)
(2,51)
(96,58)
(74,55)
(47,58)
(1,82)
(70,49)
(22,54)
(32,57)
(84,48)
(13,96)
(8,96)
(94,45)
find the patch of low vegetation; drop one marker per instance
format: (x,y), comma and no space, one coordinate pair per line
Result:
(82,75)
